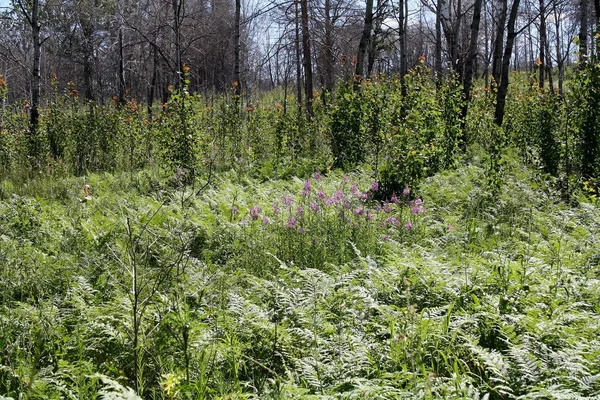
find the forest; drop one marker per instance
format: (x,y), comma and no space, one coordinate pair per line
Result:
(305,199)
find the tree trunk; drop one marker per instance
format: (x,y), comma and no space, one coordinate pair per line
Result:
(307,61)
(237,49)
(438,40)
(177,4)
(503,87)
(364,43)
(298,58)
(499,43)
(469,64)
(543,41)
(34,152)
(583,28)
(328,49)
(121,69)
(402,40)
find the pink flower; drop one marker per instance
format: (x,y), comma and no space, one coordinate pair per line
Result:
(317,176)
(255,212)
(300,211)
(394,198)
(265,220)
(408,225)
(375,186)
(292,223)
(287,200)
(406,191)
(276,209)
(359,211)
(392,221)
(321,195)
(314,206)
(307,188)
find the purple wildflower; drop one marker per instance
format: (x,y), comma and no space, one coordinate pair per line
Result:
(276,208)
(354,190)
(302,230)
(406,192)
(307,188)
(375,186)
(364,196)
(292,223)
(387,208)
(370,216)
(255,212)
(359,211)
(317,176)
(314,206)
(265,220)
(300,211)
(345,179)
(392,221)
(287,200)
(408,225)
(394,198)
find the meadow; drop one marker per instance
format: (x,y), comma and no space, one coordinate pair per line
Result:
(383,249)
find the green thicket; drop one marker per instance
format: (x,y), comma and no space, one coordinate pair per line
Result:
(221,254)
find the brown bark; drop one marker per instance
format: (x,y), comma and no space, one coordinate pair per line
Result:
(503,87)
(364,42)
(307,61)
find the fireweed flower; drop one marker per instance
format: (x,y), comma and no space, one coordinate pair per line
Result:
(255,212)
(321,195)
(292,222)
(314,206)
(307,188)
(287,200)
(392,221)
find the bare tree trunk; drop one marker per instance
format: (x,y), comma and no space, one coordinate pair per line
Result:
(121,69)
(560,62)
(328,49)
(35,83)
(469,63)
(438,40)
(543,40)
(307,61)
(503,87)
(402,40)
(177,6)
(499,43)
(583,27)
(298,58)
(364,42)
(237,50)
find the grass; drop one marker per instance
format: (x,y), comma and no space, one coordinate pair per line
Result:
(218,295)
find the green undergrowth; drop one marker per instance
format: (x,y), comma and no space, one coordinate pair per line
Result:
(299,289)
